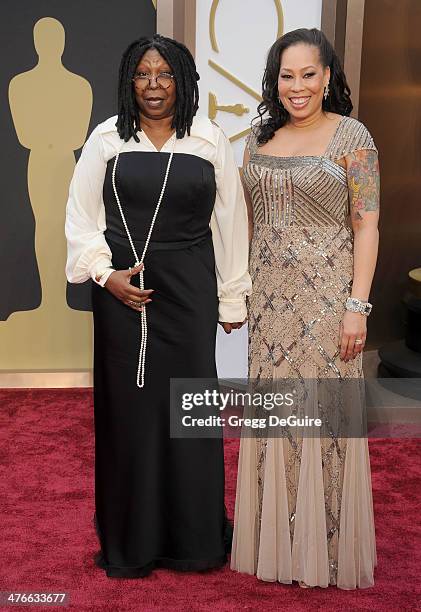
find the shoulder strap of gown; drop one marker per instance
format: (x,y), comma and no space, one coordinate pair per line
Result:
(251,140)
(351,135)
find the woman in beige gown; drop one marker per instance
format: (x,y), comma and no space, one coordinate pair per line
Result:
(304,507)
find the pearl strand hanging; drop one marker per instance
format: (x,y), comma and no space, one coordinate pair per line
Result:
(140,379)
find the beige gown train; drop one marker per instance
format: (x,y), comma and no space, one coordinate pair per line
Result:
(304,507)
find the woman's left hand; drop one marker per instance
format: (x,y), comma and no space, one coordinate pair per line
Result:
(352,328)
(228,327)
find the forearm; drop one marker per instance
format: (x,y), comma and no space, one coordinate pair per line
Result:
(366,240)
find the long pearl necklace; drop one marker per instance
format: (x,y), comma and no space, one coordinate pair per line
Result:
(140,379)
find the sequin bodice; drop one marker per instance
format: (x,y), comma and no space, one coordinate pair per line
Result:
(310,190)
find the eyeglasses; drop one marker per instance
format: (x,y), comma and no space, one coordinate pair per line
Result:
(142,79)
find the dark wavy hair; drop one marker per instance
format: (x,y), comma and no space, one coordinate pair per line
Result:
(338,100)
(183,67)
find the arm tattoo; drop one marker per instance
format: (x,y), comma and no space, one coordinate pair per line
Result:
(364,182)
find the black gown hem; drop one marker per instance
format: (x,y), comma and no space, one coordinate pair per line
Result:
(179,565)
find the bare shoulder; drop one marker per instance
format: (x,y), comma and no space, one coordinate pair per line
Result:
(334,117)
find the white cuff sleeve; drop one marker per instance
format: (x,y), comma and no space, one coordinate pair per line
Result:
(105,276)
(229,226)
(87,250)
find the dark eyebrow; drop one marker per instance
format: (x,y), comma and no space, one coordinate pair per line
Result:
(305,68)
(161,70)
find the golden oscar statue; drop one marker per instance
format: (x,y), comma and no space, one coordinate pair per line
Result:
(51,109)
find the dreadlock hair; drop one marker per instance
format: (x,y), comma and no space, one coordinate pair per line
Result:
(182,66)
(338,100)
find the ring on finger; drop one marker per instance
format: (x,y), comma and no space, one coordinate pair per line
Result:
(134,303)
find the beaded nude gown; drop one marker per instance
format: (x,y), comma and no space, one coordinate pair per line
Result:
(304,507)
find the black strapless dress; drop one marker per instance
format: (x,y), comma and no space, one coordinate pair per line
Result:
(159,501)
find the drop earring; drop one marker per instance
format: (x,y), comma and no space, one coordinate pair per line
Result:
(326,92)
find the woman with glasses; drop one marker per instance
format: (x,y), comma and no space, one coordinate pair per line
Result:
(156,217)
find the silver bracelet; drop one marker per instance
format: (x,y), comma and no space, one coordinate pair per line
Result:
(355,305)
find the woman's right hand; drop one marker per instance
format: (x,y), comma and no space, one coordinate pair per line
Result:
(118,283)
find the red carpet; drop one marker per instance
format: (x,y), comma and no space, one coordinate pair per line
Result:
(48,540)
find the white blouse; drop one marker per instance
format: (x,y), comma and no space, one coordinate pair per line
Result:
(88,252)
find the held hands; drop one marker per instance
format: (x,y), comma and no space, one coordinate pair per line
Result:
(352,329)
(118,283)
(228,327)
